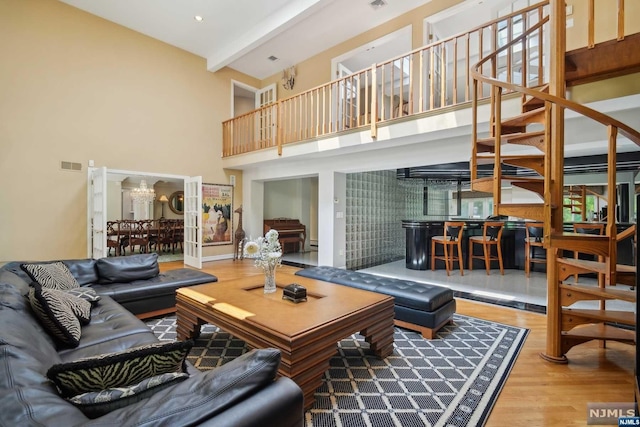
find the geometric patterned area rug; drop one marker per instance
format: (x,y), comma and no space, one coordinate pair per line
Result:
(452,380)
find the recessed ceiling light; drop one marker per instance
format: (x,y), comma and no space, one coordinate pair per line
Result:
(198,18)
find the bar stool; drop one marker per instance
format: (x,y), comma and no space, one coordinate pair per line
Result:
(588,228)
(451,239)
(533,240)
(491,236)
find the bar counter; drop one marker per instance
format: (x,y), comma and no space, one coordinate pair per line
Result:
(419,233)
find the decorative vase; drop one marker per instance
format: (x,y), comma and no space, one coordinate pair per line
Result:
(270,280)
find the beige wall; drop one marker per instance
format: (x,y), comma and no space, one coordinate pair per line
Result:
(243,105)
(76,87)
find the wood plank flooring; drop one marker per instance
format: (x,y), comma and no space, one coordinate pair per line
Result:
(537,393)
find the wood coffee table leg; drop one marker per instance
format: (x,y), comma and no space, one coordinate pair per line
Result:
(379,334)
(187,325)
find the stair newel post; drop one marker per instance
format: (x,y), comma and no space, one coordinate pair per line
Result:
(583,201)
(279,136)
(612,259)
(554,198)
(548,109)
(474,132)
(497,165)
(374,101)
(554,308)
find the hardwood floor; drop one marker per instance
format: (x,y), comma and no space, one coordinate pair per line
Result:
(537,393)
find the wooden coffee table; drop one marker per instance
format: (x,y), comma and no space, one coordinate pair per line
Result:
(306,333)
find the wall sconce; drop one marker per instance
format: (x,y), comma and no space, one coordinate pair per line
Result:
(288,78)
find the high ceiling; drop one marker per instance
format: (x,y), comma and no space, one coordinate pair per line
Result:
(243,34)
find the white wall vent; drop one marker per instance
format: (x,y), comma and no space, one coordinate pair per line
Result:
(377,4)
(71,166)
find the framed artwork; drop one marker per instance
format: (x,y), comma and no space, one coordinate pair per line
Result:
(217,218)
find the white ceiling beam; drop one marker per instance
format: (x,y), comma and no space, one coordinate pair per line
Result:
(275,24)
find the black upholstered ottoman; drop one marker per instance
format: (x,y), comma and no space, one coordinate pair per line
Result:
(418,306)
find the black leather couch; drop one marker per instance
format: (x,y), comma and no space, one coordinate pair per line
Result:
(420,307)
(133,281)
(243,392)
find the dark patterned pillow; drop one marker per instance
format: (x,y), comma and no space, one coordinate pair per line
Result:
(95,404)
(56,315)
(85,293)
(80,307)
(120,369)
(53,275)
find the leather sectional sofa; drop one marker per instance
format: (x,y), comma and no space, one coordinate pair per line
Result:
(243,392)
(133,281)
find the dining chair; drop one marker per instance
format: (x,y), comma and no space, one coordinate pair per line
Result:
(450,240)
(532,242)
(166,236)
(125,228)
(140,232)
(113,237)
(491,236)
(178,234)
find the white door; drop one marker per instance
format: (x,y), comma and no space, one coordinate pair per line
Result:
(266,120)
(97,205)
(193,221)
(347,99)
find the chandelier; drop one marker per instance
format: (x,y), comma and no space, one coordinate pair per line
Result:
(143,194)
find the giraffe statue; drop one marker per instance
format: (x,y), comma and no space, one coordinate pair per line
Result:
(239,236)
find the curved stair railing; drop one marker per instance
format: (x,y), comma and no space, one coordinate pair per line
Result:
(566,326)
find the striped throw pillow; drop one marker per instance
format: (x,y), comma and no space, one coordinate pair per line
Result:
(52,275)
(95,404)
(86,293)
(55,310)
(122,369)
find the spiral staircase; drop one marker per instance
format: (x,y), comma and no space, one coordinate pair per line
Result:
(540,126)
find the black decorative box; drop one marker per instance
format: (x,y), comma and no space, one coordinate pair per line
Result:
(295,293)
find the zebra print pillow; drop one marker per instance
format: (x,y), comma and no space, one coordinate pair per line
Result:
(120,369)
(95,404)
(56,314)
(86,293)
(53,275)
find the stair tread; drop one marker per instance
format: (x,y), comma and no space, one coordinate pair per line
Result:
(585,243)
(601,331)
(521,204)
(492,157)
(536,179)
(522,119)
(510,137)
(533,211)
(609,293)
(597,266)
(617,316)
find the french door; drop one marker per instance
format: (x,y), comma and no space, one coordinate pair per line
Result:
(97,214)
(97,202)
(266,119)
(193,221)
(347,99)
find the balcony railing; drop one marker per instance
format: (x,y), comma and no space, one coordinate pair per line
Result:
(427,79)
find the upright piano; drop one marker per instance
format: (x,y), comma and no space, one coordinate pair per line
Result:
(291,233)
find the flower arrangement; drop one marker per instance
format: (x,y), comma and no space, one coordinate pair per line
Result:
(267,253)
